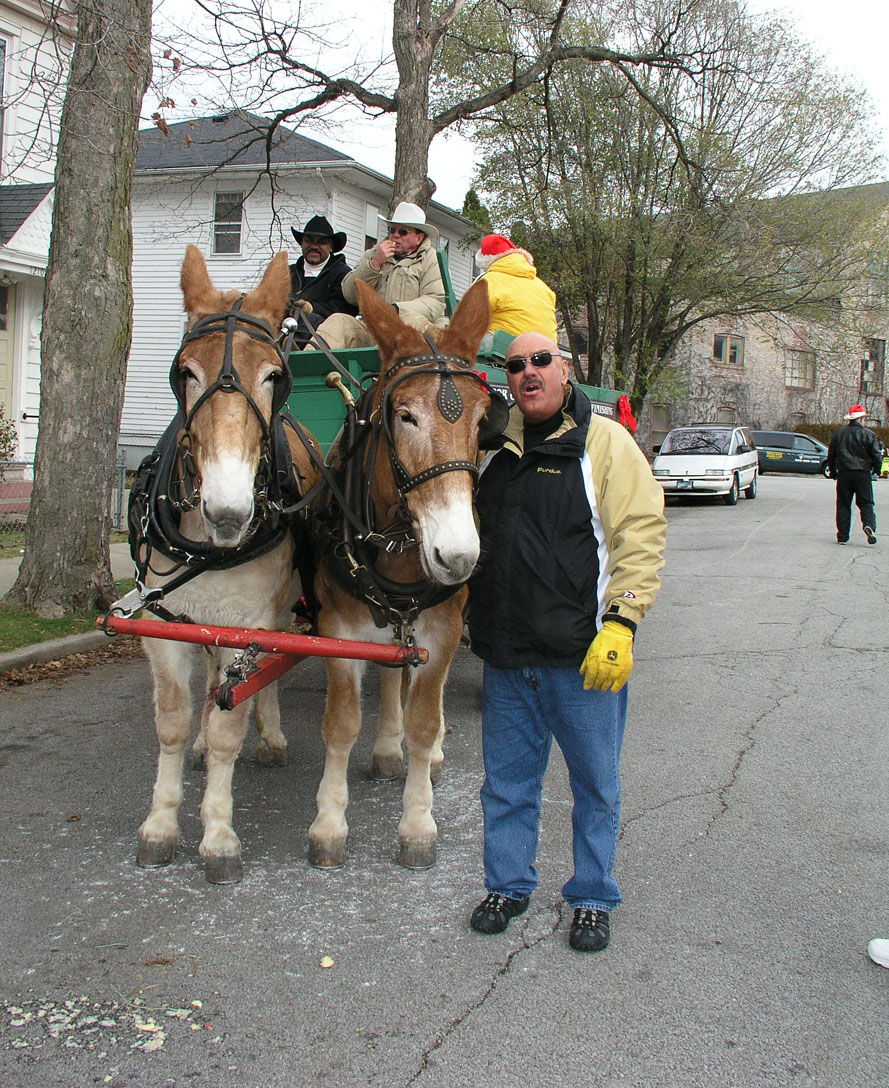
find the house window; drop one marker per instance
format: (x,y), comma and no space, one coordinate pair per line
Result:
(872,366)
(725,414)
(728,350)
(799,369)
(660,424)
(227,218)
(372,226)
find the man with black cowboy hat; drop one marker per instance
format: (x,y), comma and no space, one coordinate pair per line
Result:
(316,278)
(403,269)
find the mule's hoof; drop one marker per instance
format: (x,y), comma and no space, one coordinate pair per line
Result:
(197,760)
(435,771)
(266,756)
(416,855)
(153,853)
(386,768)
(223,869)
(327,855)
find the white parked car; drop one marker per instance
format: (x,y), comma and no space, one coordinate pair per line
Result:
(708,459)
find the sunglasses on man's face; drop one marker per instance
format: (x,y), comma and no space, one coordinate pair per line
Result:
(538,359)
(402,231)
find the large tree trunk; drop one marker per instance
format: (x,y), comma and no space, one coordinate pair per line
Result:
(87,313)
(414,40)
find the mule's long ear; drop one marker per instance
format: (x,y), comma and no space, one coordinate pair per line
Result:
(269,299)
(395,339)
(198,293)
(468,325)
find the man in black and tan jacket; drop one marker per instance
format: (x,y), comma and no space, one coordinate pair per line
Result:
(572,541)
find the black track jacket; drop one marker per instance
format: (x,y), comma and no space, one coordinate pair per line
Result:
(570,530)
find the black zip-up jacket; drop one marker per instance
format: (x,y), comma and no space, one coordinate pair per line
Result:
(324,292)
(854,448)
(572,534)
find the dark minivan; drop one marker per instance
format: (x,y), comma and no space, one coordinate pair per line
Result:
(787,451)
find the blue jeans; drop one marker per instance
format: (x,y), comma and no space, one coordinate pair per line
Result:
(522,710)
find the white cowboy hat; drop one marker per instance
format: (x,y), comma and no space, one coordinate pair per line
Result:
(412,215)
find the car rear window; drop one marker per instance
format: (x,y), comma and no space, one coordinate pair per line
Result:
(699,440)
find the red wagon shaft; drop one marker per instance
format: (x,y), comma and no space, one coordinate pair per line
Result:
(286,648)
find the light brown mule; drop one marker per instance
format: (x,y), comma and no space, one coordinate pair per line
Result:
(441,547)
(226,435)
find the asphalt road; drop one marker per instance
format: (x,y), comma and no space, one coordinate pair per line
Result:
(753,863)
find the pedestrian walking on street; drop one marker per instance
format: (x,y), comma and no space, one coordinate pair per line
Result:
(572,541)
(854,452)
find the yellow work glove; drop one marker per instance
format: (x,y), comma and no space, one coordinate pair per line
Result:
(609,659)
(302,304)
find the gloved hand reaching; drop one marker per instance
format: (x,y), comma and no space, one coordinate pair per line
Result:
(302,304)
(609,659)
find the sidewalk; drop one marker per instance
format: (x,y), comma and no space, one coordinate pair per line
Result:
(51,649)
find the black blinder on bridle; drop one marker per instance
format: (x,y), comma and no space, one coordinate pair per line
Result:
(450,405)
(228,380)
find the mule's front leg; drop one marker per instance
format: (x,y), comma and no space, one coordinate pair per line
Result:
(387,758)
(271,745)
(423,726)
(340,727)
(220,847)
(170,669)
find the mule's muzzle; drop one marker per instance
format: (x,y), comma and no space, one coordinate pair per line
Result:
(227,526)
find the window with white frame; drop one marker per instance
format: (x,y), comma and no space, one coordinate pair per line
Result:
(872,367)
(228,214)
(799,369)
(372,225)
(728,350)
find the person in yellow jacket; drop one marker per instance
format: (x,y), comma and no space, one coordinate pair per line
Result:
(520,301)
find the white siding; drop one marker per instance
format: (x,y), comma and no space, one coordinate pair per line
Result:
(31,106)
(169,213)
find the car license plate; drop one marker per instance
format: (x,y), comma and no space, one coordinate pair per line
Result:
(685,485)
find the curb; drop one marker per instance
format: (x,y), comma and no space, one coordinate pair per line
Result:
(52,649)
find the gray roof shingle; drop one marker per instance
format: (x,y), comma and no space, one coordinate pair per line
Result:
(16,204)
(237,138)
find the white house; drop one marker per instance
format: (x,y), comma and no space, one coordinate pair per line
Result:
(211,183)
(32,71)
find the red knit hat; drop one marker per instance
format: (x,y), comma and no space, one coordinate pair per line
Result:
(495,245)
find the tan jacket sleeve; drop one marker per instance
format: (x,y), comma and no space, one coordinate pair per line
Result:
(631,509)
(429,300)
(365,271)
(412,285)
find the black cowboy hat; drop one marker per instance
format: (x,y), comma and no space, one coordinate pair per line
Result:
(320,226)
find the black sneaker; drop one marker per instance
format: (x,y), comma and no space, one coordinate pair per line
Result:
(846,541)
(494,913)
(590,930)
(870,534)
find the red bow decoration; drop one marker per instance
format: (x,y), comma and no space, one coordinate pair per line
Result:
(625,415)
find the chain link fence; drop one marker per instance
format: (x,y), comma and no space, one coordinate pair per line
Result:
(15,497)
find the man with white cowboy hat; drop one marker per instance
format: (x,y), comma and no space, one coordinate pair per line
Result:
(853,452)
(403,269)
(316,277)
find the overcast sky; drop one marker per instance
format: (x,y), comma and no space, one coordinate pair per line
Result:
(851,34)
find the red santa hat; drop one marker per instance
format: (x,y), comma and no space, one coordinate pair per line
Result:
(492,246)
